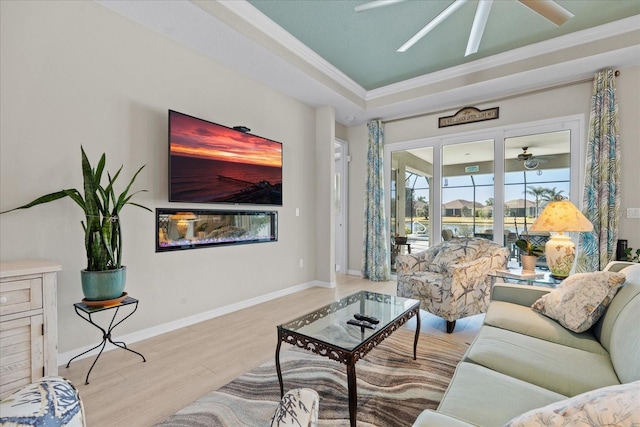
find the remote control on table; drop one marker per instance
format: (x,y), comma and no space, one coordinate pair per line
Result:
(361,323)
(366,318)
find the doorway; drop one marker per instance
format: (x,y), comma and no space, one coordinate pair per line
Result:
(340,203)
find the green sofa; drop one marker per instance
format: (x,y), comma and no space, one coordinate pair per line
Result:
(522,360)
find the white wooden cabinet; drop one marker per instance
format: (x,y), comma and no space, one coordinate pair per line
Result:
(28,322)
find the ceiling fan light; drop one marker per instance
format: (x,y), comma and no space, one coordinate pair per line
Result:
(549,10)
(375,4)
(431,25)
(531,164)
(479,24)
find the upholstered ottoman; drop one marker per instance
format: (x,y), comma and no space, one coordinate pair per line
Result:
(50,401)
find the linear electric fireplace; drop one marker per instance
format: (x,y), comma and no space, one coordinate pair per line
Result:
(178,229)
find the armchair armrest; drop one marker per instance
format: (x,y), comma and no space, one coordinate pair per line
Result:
(616,266)
(410,263)
(517,294)
(483,262)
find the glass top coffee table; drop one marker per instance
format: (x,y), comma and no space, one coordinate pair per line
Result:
(325,331)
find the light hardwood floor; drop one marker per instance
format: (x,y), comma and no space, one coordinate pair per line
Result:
(188,363)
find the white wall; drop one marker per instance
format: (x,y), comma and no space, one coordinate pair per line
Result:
(76,73)
(325,171)
(548,104)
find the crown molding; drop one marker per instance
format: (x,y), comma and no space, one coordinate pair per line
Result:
(616,28)
(258,20)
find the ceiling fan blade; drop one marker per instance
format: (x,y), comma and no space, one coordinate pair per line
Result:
(431,25)
(479,23)
(375,4)
(549,9)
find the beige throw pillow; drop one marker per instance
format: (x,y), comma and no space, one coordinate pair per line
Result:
(581,299)
(608,406)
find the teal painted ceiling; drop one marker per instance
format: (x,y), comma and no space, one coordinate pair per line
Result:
(363,44)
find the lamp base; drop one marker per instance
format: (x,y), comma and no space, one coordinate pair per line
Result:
(560,253)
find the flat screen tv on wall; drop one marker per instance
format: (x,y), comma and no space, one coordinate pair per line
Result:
(211,163)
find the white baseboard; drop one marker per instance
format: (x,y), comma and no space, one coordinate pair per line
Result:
(144,334)
(328,285)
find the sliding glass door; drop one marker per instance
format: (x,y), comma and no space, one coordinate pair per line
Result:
(467,189)
(411,198)
(537,169)
(492,184)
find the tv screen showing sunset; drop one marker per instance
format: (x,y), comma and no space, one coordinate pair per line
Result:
(210,163)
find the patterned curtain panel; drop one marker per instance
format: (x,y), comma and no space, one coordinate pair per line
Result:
(601,199)
(374,257)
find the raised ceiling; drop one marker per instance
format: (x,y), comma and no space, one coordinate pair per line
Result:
(324,53)
(363,45)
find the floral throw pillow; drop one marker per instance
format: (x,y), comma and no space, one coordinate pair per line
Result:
(581,299)
(609,406)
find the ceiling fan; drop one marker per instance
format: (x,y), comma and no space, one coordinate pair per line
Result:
(548,9)
(530,162)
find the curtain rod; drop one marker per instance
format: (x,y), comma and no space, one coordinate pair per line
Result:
(558,86)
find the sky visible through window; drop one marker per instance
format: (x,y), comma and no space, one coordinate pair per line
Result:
(461,187)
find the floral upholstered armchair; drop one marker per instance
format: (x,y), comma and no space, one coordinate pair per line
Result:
(451,278)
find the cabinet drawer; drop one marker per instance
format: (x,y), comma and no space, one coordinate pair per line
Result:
(20,295)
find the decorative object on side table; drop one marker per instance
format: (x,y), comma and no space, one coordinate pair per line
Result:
(561,215)
(530,252)
(630,256)
(104,277)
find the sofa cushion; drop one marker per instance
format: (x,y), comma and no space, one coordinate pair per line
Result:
(608,406)
(487,398)
(565,370)
(580,299)
(430,418)
(524,320)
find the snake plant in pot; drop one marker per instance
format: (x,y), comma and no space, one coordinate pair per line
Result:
(104,277)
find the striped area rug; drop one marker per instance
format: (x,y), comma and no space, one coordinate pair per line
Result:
(392,387)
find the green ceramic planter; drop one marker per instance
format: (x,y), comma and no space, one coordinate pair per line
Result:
(103,285)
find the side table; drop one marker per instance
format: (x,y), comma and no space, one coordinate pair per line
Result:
(85,312)
(517,276)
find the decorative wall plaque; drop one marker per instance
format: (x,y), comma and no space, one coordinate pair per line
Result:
(469,115)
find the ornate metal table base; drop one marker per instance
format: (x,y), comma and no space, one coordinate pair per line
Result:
(106,334)
(346,357)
